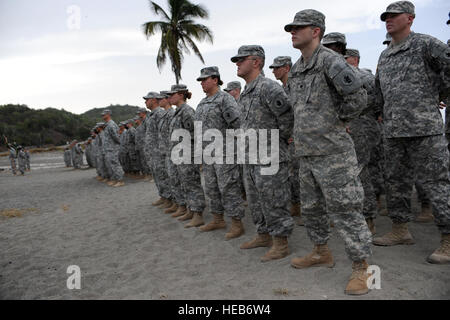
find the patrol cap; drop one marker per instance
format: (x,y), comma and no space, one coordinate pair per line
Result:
(388,39)
(106,112)
(165,94)
(122,124)
(232,85)
(177,88)
(141,110)
(249,50)
(152,95)
(399,7)
(130,121)
(308,17)
(352,53)
(281,62)
(334,37)
(207,72)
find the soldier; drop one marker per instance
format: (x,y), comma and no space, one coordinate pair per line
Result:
(72,152)
(27,157)
(88,153)
(111,145)
(93,148)
(234,88)
(281,67)
(78,156)
(413,76)
(152,152)
(188,173)
(12,158)
(219,111)
(22,160)
(140,143)
(101,167)
(326,94)
(266,106)
(67,158)
(123,147)
(176,190)
(131,155)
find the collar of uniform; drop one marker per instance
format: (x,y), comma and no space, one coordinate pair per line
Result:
(252,85)
(404,45)
(178,110)
(312,61)
(214,97)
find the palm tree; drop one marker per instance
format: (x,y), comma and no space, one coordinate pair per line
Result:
(178,32)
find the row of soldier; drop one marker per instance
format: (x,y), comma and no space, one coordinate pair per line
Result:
(345,137)
(23,158)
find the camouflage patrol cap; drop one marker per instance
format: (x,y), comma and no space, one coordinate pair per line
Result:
(141,110)
(177,88)
(388,39)
(130,121)
(281,62)
(305,18)
(151,95)
(351,53)
(205,73)
(399,7)
(165,94)
(247,51)
(122,124)
(106,112)
(334,37)
(232,85)
(99,124)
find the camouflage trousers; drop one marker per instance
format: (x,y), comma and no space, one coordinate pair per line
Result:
(113,166)
(191,184)
(13,165)
(331,189)
(101,168)
(363,147)
(132,160)
(78,161)
(376,165)
(268,199)
(176,190)
(123,161)
(294,181)
(22,165)
(160,176)
(28,165)
(223,189)
(421,159)
(143,164)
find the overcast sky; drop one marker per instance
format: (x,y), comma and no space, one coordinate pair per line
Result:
(46,61)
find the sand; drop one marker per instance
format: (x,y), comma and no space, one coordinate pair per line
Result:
(127,249)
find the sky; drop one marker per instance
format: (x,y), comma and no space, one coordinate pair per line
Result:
(82,54)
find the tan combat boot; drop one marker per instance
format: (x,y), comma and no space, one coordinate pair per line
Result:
(159,202)
(399,235)
(181,211)
(119,184)
(320,257)
(98,178)
(442,254)
(187,216)
(279,250)
(196,221)
(236,230)
(261,240)
(217,223)
(172,209)
(166,204)
(371,224)
(357,285)
(426,215)
(111,183)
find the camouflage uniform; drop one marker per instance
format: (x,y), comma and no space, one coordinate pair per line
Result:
(189,174)
(12,159)
(140,144)
(132,158)
(412,78)
(22,160)
(176,190)
(101,165)
(67,158)
(78,156)
(154,156)
(27,157)
(222,181)
(326,93)
(266,106)
(111,144)
(123,151)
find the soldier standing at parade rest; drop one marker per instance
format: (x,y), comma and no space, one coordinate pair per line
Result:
(111,145)
(326,94)
(413,77)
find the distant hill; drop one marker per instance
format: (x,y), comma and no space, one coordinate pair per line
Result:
(30,127)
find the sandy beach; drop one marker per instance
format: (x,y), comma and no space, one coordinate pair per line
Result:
(127,249)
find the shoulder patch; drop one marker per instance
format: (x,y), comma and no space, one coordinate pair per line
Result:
(344,78)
